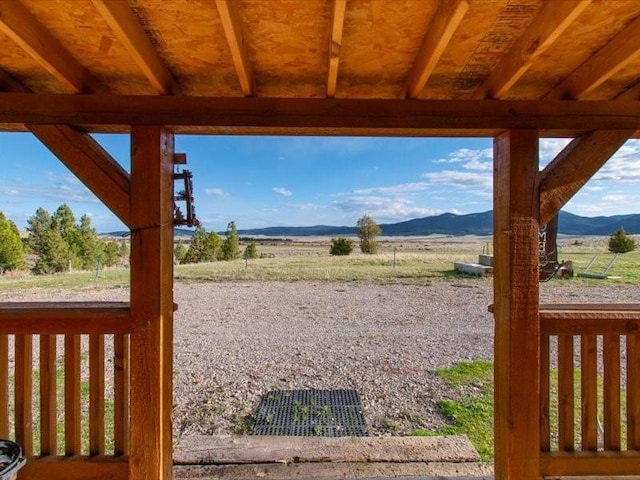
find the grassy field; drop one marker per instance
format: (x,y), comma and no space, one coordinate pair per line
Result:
(408,260)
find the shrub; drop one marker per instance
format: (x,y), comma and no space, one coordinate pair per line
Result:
(368,230)
(251,251)
(341,246)
(619,242)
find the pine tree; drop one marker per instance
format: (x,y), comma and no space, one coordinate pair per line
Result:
(212,247)
(195,253)
(368,230)
(619,242)
(86,245)
(251,251)
(11,250)
(179,252)
(231,244)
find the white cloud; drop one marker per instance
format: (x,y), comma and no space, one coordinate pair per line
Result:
(394,189)
(385,209)
(465,155)
(216,191)
(549,148)
(282,191)
(468,181)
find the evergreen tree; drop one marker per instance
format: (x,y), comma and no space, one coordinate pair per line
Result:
(619,242)
(368,230)
(231,244)
(54,255)
(38,224)
(64,221)
(110,254)
(212,247)
(196,250)
(11,250)
(123,249)
(251,251)
(179,252)
(341,246)
(86,245)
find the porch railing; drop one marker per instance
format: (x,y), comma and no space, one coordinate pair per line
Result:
(53,400)
(590,389)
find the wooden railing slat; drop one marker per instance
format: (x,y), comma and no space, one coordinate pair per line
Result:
(566,430)
(23,392)
(76,467)
(633,392)
(4,386)
(611,391)
(121,394)
(96,395)
(72,410)
(589,392)
(48,395)
(545,427)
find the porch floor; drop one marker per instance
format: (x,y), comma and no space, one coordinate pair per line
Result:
(275,457)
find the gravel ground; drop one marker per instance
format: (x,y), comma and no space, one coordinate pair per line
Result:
(236,341)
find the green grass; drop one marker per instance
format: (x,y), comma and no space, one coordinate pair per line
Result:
(472,414)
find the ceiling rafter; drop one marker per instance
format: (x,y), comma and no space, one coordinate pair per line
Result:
(443,25)
(233,31)
(616,54)
(10,84)
(25,30)
(126,27)
(548,25)
(335,44)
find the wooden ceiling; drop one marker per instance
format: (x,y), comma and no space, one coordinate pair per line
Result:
(448,50)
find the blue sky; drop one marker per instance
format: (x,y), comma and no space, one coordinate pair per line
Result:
(297,181)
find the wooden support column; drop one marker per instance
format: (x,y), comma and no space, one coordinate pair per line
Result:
(150,447)
(516,303)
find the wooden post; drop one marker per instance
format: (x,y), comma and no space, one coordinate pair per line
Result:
(516,304)
(150,447)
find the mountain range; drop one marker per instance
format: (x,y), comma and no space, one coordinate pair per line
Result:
(452,224)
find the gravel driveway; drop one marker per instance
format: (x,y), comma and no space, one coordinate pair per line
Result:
(236,341)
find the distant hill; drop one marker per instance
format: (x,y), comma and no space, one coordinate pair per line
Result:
(470,224)
(445,224)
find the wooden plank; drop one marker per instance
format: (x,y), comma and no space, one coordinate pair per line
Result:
(589,464)
(23,392)
(126,27)
(10,84)
(332,471)
(332,115)
(48,395)
(232,25)
(96,394)
(64,317)
(611,392)
(545,394)
(444,24)
(595,325)
(517,331)
(588,308)
(615,55)
(24,29)
(92,164)
(4,386)
(633,392)
(76,468)
(589,392)
(566,409)
(335,44)
(225,449)
(549,24)
(572,168)
(72,408)
(150,439)
(121,394)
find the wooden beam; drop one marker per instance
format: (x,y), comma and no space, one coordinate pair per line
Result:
(126,27)
(93,165)
(24,29)
(10,84)
(328,114)
(615,55)
(589,464)
(232,26)
(150,439)
(443,25)
(517,331)
(572,168)
(335,44)
(553,19)
(76,467)
(64,318)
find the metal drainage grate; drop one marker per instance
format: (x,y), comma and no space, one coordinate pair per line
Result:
(323,413)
